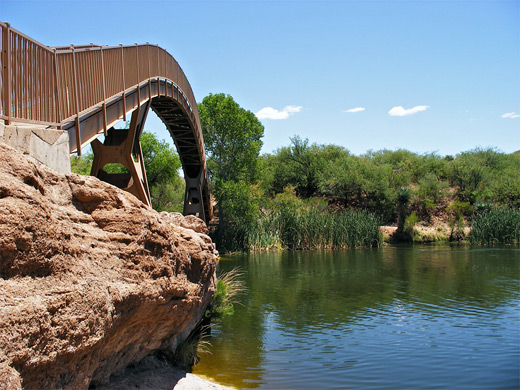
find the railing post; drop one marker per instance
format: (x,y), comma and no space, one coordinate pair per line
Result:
(123,76)
(104,94)
(138,86)
(57,90)
(76,98)
(149,75)
(6,71)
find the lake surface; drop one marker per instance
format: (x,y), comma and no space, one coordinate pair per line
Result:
(398,317)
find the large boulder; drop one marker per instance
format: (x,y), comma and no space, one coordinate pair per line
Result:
(91,279)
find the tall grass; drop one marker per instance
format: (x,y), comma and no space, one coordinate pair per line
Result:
(313,229)
(229,285)
(188,352)
(497,225)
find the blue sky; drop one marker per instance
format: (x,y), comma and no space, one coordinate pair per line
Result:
(428,76)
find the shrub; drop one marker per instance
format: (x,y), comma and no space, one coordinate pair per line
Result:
(238,210)
(227,288)
(403,200)
(430,193)
(457,225)
(409,226)
(187,354)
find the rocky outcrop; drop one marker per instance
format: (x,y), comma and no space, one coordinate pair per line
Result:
(91,280)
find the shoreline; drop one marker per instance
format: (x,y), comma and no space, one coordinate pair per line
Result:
(152,374)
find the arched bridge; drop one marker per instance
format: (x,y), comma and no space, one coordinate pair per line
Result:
(86,90)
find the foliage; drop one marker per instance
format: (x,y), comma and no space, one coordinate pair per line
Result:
(430,194)
(372,181)
(287,199)
(403,201)
(82,164)
(160,159)
(162,165)
(115,168)
(187,354)
(168,196)
(505,182)
(486,174)
(457,210)
(238,206)
(232,139)
(409,225)
(310,228)
(229,286)
(302,166)
(497,225)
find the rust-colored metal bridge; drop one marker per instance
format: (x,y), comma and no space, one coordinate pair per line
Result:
(86,90)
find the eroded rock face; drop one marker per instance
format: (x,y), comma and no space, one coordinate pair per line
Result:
(91,280)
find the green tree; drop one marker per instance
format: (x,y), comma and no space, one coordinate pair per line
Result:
(82,164)
(343,179)
(238,213)
(232,138)
(296,166)
(160,159)
(162,165)
(430,194)
(303,166)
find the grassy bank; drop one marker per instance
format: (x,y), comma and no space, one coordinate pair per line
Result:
(309,229)
(497,225)
(304,229)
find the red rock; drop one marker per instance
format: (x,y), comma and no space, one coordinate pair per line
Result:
(91,279)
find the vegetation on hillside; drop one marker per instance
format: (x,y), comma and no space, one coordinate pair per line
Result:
(302,195)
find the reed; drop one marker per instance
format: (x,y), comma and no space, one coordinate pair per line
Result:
(188,352)
(496,225)
(313,229)
(229,285)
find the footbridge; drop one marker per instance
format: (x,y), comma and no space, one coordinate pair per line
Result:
(86,90)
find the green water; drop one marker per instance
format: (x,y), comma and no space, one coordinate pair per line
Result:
(390,318)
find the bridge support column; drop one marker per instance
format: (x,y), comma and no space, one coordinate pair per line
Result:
(124,147)
(193,204)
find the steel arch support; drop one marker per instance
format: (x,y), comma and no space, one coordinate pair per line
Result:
(124,147)
(193,200)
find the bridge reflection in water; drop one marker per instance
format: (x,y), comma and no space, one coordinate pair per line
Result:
(86,90)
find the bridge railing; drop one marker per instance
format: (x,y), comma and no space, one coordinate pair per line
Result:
(53,86)
(28,81)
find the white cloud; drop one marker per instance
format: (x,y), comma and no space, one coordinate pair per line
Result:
(357,109)
(272,113)
(510,115)
(401,111)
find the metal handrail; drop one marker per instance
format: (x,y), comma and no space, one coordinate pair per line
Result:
(55,85)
